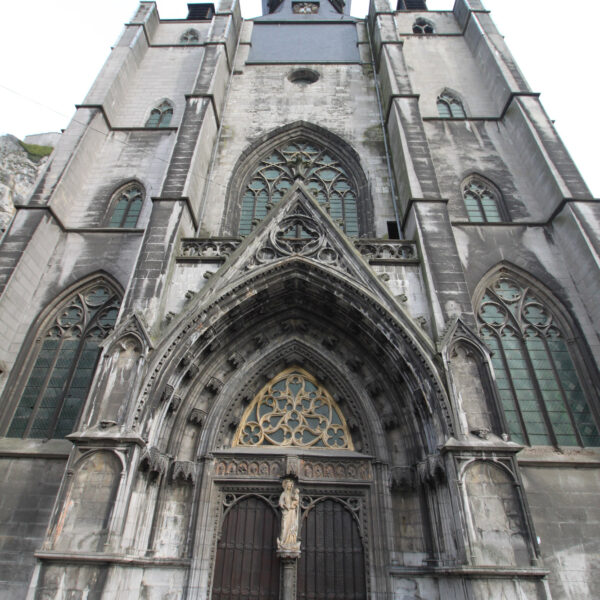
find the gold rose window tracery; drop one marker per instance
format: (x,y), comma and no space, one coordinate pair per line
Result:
(293,409)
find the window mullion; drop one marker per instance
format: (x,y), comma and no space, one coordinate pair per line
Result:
(512,388)
(562,391)
(67,387)
(540,396)
(44,387)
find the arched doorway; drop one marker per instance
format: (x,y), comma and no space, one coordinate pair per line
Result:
(246,565)
(332,562)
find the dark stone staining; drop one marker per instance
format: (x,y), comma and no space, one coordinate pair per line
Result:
(24,517)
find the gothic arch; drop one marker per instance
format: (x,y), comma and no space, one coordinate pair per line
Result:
(451,104)
(180,374)
(482,199)
(125,204)
(518,316)
(300,130)
(33,343)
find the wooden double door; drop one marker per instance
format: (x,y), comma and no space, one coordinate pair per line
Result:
(331,564)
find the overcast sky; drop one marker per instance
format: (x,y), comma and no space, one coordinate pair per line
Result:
(52,50)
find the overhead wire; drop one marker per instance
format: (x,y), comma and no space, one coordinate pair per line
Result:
(105,134)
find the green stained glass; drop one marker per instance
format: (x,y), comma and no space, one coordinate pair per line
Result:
(535,373)
(321,172)
(128,206)
(481,201)
(450,106)
(61,374)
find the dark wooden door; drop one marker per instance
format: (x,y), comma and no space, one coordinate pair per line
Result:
(332,563)
(247,567)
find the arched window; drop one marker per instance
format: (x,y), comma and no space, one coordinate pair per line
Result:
(422,26)
(190,36)
(294,410)
(450,107)
(161,115)
(483,200)
(63,362)
(126,205)
(539,385)
(318,168)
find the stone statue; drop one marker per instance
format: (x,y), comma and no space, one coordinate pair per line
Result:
(289,502)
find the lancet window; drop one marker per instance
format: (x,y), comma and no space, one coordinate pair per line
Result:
(293,409)
(317,167)
(450,107)
(127,205)
(63,363)
(161,115)
(483,201)
(540,388)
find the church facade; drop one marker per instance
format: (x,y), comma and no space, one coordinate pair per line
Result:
(303,307)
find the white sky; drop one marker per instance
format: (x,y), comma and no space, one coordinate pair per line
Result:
(52,50)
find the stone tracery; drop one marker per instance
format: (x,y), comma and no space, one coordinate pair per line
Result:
(294,410)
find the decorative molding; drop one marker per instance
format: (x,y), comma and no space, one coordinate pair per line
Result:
(154,461)
(235,360)
(349,469)
(296,234)
(381,252)
(175,403)
(402,478)
(214,385)
(260,467)
(215,249)
(431,470)
(197,416)
(184,471)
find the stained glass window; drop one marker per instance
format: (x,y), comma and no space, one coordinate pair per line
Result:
(539,386)
(450,107)
(317,168)
(66,358)
(161,115)
(294,410)
(482,200)
(127,206)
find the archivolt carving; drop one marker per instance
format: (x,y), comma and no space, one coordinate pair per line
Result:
(294,410)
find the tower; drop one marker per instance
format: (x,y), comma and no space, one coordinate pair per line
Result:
(303,307)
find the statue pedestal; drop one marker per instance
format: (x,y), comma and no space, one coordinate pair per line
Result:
(289,561)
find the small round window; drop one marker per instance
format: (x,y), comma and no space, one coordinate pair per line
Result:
(303,76)
(422,26)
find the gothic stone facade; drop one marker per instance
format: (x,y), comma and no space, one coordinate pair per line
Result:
(350,255)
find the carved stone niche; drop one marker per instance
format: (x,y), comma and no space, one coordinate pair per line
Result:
(431,471)
(184,471)
(214,385)
(402,478)
(192,371)
(197,417)
(235,360)
(175,403)
(167,392)
(154,462)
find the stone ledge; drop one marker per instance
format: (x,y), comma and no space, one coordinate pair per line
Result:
(547,456)
(472,572)
(34,448)
(47,555)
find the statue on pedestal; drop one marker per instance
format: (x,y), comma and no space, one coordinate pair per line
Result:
(289,502)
